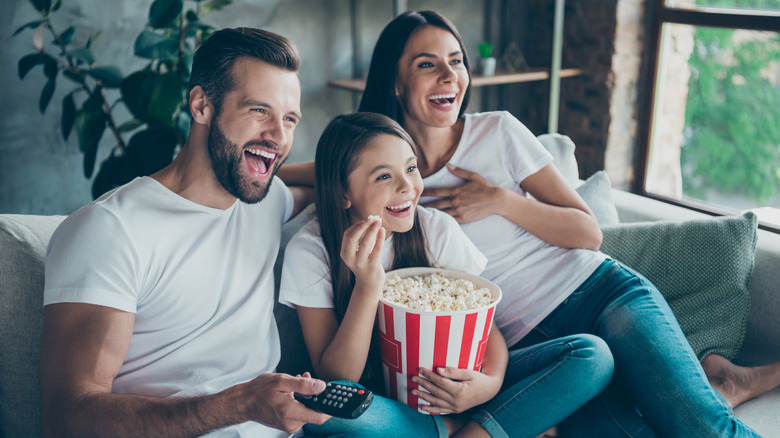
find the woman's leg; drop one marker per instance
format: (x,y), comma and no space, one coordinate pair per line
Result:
(653,360)
(740,384)
(546,383)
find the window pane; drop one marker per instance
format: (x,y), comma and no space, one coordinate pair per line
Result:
(716,124)
(747,5)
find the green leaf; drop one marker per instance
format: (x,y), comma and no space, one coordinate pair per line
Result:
(90,124)
(166,97)
(129,125)
(42,6)
(50,68)
(151,45)
(110,76)
(28,62)
(192,16)
(30,25)
(46,94)
(75,77)
(152,149)
(215,5)
(82,55)
(136,92)
(68,115)
(91,39)
(56,5)
(67,36)
(163,13)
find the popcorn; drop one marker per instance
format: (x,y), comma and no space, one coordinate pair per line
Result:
(435,293)
(373,217)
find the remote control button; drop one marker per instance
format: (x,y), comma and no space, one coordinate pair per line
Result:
(349,394)
(361,392)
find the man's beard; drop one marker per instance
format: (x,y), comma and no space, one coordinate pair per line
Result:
(226,159)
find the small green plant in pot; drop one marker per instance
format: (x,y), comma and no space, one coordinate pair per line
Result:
(487,63)
(155,96)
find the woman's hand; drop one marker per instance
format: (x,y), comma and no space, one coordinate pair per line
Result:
(475,199)
(454,390)
(361,250)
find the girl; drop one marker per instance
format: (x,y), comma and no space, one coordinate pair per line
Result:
(333,273)
(541,249)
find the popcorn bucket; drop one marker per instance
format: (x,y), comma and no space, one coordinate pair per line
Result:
(413,339)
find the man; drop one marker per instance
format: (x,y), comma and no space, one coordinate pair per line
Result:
(159,295)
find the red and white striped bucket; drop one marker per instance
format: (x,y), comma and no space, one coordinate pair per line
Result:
(413,339)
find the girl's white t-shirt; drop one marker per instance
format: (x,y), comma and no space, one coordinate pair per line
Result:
(306,279)
(534,276)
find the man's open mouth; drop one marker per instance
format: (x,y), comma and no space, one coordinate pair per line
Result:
(260,161)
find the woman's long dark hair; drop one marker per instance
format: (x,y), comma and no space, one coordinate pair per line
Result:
(338,153)
(379,95)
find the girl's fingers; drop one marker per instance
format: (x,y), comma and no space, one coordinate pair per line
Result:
(369,238)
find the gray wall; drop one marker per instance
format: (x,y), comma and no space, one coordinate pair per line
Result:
(40,173)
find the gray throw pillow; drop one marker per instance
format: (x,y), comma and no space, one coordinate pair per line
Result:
(597,193)
(702,267)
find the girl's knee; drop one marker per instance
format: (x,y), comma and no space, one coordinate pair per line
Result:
(598,360)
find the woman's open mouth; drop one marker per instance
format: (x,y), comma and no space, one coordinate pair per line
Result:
(260,161)
(443,100)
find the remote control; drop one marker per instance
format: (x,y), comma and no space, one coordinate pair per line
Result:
(339,399)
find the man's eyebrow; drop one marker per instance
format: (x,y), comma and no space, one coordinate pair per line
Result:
(251,102)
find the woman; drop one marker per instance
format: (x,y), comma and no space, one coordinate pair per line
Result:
(542,250)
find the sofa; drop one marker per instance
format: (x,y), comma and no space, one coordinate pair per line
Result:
(721,273)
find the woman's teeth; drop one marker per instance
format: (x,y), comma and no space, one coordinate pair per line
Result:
(400,207)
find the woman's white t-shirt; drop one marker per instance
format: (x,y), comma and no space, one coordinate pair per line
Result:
(534,276)
(306,279)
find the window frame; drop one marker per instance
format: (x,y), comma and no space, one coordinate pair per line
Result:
(660,14)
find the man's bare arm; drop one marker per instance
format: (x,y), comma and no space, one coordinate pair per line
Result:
(84,347)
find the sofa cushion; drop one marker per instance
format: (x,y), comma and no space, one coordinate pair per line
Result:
(596,191)
(23,242)
(561,147)
(701,266)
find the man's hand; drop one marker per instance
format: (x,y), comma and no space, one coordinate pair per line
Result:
(454,390)
(274,405)
(476,199)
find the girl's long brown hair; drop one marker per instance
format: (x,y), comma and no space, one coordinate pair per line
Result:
(338,153)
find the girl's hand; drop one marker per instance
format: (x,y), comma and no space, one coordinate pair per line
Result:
(454,390)
(361,250)
(476,199)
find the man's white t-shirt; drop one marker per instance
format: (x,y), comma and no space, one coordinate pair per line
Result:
(306,279)
(199,280)
(534,276)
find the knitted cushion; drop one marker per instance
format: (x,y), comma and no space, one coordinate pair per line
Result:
(702,267)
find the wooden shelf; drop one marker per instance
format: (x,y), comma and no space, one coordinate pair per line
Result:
(476,81)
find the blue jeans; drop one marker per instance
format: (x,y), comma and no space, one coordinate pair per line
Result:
(659,387)
(543,385)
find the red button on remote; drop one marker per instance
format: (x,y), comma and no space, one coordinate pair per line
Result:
(361,392)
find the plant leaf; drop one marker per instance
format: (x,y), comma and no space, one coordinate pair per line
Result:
(163,13)
(215,5)
(27,62)
(136,92)
(48,91)
(67,36)
(50,68)
(82,55)
(166,97)
(38,38)
(29,25)
(152,149)
(109,76)
(41,6)
(68,115)
(129,125)
(90,124)
(75,77)
(151,45)
(191,16)
(55,6)
(91,39)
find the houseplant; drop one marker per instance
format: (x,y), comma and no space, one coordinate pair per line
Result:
(154,96)
(487,63)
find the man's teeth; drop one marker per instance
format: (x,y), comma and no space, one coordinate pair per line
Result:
(262,152)
(403,206)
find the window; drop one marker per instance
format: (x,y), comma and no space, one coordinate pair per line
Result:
(713,125)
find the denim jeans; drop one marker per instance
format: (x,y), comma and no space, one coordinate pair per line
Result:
(543,385)
(659,387)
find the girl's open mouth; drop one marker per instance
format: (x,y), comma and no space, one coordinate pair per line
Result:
(260,161)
